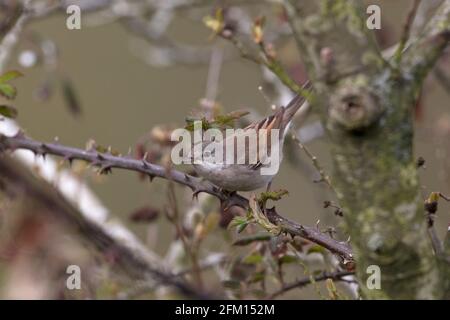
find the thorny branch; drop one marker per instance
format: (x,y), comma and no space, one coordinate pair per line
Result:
(324,177)
(106,162)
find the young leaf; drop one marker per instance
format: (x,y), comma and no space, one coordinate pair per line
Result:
(215,23)
(10,75)
(254,258)
(257,30)
(8,91)
(258,276)
(240,223)
(8,111)
(237,221)
(227,120)
(190,123)
(287,259)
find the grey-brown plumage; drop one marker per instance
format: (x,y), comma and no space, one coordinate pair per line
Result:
(243,174)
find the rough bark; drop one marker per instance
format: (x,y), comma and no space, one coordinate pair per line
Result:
(366,104)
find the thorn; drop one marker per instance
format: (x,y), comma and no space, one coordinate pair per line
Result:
(317,224)
(109,150)
(348,240)
(197,192)
(151,177)
(100,156)
(56,139)
(129,151)
(106,169)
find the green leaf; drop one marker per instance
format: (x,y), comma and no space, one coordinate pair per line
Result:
(254,258)
(8,91)
(190,123)
(252,238)
(237,221)
(242,227)
(288,259)
(8,111)
(227,120)
(258,276)
(316,249)
(215,23)
(10,75)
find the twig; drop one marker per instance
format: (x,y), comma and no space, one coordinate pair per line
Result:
(190,250)
(443,196)
(324,177)
(11,37)
(269,62)
(106,161)
(337,276)
(423,53)
(405,33)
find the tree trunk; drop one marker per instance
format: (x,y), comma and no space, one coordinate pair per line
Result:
(366,104)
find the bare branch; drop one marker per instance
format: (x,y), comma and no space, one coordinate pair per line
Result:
(423,53)
(11,35)
(324,177)
(336,276)
(406,32)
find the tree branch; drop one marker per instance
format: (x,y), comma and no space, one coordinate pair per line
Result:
(106,162)
(406,32)
(17,181)
(337,276)
(423,53)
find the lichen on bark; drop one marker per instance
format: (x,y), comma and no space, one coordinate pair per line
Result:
(366,104)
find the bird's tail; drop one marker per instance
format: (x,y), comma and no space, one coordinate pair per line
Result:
(293,106)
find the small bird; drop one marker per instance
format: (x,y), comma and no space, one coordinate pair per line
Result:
(245,175)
